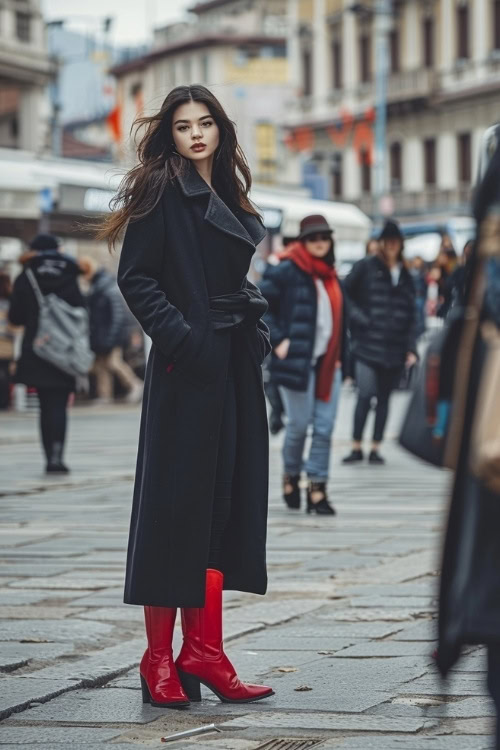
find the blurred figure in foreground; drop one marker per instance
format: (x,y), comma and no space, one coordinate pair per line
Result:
(382,316)
(307,323)
(469,609)
(108,323)
(57,274)
(6,340)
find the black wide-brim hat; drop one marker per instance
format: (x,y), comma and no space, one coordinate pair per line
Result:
(314,224)
(391,231)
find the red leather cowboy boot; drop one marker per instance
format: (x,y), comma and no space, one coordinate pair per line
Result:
(202,658)
(159,679)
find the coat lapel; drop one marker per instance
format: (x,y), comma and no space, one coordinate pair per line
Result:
(246,227)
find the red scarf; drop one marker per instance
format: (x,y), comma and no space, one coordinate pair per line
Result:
(318,269)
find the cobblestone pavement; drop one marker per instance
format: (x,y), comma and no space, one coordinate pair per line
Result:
(344,636)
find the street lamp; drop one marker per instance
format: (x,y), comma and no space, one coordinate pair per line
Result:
(382,11)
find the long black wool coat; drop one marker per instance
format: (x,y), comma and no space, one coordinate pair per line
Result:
(161,275)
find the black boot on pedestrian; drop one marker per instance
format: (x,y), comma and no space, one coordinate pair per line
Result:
(55,464)
(321,507)
(354,457)
(376,458)
(291,491)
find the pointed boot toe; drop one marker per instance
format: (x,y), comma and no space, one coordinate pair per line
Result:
(202,660)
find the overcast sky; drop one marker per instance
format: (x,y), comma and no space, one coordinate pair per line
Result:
(133,19)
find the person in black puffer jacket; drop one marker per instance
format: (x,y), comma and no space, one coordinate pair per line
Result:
(306,318)
(383,323)
(55,273)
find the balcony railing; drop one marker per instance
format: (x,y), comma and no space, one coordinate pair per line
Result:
(428,200)
(410,84)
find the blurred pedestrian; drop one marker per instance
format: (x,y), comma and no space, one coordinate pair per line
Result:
(54,273)
(108,323)
(200,504)
(307,322)
(6,340)
(469,607)
(418,273)
(382,317)
(457,281)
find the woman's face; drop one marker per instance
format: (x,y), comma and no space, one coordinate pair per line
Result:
(319,244)
(194,131)
(392,248)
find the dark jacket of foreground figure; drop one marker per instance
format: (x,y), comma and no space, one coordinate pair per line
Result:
(469,606)
(382,316)
(161,275)
(293,302)
(56,274)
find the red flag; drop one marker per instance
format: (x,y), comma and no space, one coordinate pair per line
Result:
(114,122)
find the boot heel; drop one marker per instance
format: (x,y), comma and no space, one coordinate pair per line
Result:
(191,685)
(146,695)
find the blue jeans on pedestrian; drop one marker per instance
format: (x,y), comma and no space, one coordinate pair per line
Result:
(302,409)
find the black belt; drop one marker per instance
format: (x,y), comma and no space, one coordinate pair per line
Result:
(238,309)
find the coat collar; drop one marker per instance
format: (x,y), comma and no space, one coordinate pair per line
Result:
(245,227)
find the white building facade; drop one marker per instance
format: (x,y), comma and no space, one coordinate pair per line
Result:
(237,48)
(25,72)
(443,92)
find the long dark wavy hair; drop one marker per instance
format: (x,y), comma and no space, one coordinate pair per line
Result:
(159,163)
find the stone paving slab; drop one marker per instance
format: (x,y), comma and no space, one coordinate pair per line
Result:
(53,736)
(17,654)
(54,631)
(94,706)
(408,742)
(95,667)
(325,721)
(17,693)
(40,612)
(425,630)
(367,649)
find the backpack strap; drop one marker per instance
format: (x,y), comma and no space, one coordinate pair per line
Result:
(34,284)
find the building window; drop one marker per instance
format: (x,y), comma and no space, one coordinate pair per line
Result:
(366,171)
(23,27)
(395,165)
(337,64)
(336,171)
(464,158)
(430,161)
(428,42)
(306,73)
(364,58)
(496,25)
(463,32)
(204,68)
(394,50)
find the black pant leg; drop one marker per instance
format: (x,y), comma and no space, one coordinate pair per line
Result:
(386,382)
(53,417)
(226,461)
(494,683)
(4,383)
(367,388)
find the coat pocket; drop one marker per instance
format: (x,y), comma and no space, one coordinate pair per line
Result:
(200,356)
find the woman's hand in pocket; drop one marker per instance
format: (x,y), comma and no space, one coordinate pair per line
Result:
(281,350)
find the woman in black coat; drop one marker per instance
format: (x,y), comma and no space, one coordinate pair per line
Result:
(307,322)
(383,320)
(199,512)
(57,274)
